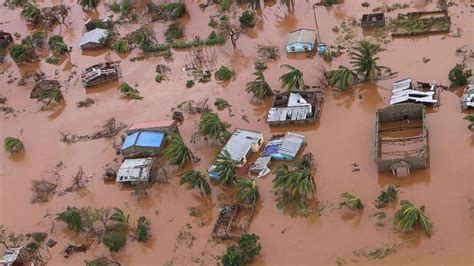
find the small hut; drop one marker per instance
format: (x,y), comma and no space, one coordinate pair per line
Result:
(94,39)
(100,73)
(135,170)
(301,40)
(374,20)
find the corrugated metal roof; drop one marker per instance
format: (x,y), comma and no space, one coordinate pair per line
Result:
(403,92)
(241,142)
(151,124)
(135,170)
(291,144)
(301,36)
(94,36)
(468,97)
(144,139)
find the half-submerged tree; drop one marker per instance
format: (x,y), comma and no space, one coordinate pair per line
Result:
(386,196)
(297,181)
(225,167)
(88,4)
(121,46)
(459,75)
(13,145)
(259,87)
(341,78)
(195,180)
(30,12)
(409,216)
(130,92)
(351,201)
(364,60)
(224,73)
(248,191)
(143,229)
(72,217)
(177,151)
(56,45)
(293,79)
(212,127)
(244,253)
(23,53)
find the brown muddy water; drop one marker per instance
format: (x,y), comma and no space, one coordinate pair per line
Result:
(344,135)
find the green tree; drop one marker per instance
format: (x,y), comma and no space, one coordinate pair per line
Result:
(293,79)
(115,240)
(212,127)
(224,73)
(129,92)
(351,201)
(177,151)
(259,87)
(88,4)
(225,167)
(248,191)
(30,12)
(121,46)
(247,19)
(297,181)
(459,75)
(409,216)
(72,217)
(364,60)
(13,145)
(249,246)
(232,257)
(143,229)
(195,180)
(56,45)
(341,78)
(22,53)
(50,93)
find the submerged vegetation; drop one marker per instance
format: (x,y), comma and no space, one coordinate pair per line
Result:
(225,166)
(259,87)
(351,201)
(57,45)
(211,126)
(13,145)
(459,75)
(386,196)
(409,216)
(342,78)
(244,253)
(129,92)
(177,152)
(121,46)
(195,180)
(224,73)
(248,191)
(293,80)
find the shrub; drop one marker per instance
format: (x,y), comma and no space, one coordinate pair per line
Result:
(159,78)
(212,23)
(247,248)
(33,246)
(221,104)
(115,240)
(121,46)
(22,53)
(174,31)
(459,75)
(13,145)
(143,229)
(224,73)
(39,236)
(247,19)
(130,92)
(232,257)
(189,83)
(72,217)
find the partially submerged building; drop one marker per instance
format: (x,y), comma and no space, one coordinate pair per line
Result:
(467,100)
(241,144)
(94,39)
(374,20)
(135,170)
(401,139)
(16,256)
(233,221)
(405,92)
(100,73)
(163,126)
(301,40)
(143,143)
(295,107)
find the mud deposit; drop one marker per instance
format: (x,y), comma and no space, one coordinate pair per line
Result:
(344,135)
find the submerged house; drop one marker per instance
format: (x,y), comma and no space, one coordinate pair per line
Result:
(301,40)
(143,143)
(405,92)
(233,221)
(240,145)
(135,170)
(100,73)
(467,100)
(295,107)
(94,39)
(374,20)
(401,139)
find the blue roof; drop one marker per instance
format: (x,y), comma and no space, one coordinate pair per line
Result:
(144,139)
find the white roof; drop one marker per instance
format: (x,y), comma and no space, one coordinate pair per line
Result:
(468,97)
(135,170)
(94,36)
(241,142)
(403,92)
(291,144)
(10,256)
(296,99)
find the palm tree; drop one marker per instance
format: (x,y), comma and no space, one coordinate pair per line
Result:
(364,60)
(248,191)
(13,145)
(409,216)
(121,221)
(293,79)
(211,126)
(296,181)
(30,12)
(51,93)
(351,201)
(259,87)
(195,180)
(88,4)
(341,78)
(225,166)
(177,151)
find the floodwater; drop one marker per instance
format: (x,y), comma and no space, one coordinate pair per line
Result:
(344,135)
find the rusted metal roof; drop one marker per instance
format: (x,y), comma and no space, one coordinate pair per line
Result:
(164,124)
(301,36)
